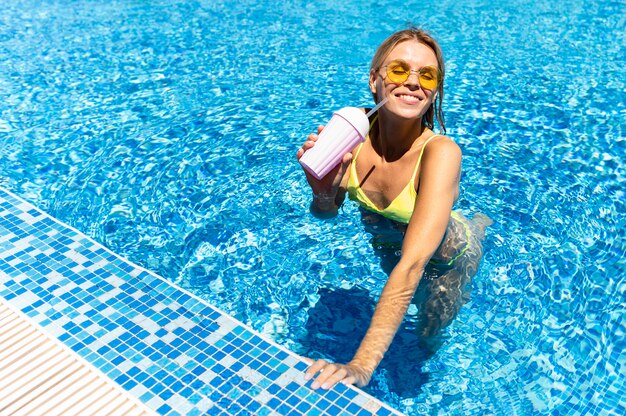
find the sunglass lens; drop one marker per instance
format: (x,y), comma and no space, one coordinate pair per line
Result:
(429,78)
(397,72)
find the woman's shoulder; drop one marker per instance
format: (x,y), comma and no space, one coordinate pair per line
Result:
(440,146)
(441,142)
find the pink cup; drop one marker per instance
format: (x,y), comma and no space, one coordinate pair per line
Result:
(345,130)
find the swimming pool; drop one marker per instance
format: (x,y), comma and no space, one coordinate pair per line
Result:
(167,131)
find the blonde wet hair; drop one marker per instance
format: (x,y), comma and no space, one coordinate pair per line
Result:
(424,38)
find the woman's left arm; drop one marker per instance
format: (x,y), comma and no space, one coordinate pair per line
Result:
(438,191)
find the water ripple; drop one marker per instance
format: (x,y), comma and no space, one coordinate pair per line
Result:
(167,131)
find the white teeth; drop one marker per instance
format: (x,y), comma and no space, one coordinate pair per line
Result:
(408,97)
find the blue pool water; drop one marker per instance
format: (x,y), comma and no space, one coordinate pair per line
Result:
(167,131)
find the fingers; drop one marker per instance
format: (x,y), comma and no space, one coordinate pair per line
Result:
(332,375)
(310,141)
(350,380)
(329,374)
(307,145)
(339,172)
(314,368)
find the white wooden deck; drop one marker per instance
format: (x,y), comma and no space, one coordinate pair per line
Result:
(40,376)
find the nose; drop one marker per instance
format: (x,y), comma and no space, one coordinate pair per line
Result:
(413,79)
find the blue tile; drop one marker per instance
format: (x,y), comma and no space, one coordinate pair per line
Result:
(342,402)
(122,378)
(273,389)
(322,402)
(350,394)
(301,366)
(169,380)
(331,395)
(166,394)
(294,401)
(164,368)
(285,409)
(273,403)
(129,384)
(149,381)
(282,394)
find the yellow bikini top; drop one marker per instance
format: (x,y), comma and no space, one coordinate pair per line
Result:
(401,208)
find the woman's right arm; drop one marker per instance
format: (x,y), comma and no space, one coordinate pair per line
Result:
(328,192)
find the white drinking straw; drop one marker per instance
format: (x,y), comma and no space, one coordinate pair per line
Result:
(380,104)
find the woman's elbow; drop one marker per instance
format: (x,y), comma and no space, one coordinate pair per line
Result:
(412,268)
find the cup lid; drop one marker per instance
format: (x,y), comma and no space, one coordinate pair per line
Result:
(357,118)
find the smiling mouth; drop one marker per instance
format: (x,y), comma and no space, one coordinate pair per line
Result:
(408,98)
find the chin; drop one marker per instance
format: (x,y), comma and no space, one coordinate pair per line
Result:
(408,113)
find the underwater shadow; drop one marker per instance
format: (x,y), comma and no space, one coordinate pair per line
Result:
(336,325)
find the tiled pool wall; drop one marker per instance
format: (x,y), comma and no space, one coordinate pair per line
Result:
(168,348)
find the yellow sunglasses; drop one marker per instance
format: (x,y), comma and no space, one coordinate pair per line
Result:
(399,71)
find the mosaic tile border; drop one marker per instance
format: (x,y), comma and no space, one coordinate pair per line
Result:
(172,350)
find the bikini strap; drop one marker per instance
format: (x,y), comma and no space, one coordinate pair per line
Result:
(358,148)
(356,153)
(419,159)
(373,121)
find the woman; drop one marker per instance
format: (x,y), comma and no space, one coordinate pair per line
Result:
(406,180)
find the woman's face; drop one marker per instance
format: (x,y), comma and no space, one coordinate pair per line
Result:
(408,100)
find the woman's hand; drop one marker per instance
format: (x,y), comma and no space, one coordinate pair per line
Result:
(330,374)
(329,184)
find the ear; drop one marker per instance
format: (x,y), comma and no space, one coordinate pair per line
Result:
(373,83)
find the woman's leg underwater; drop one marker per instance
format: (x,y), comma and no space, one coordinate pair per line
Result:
(446,284)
